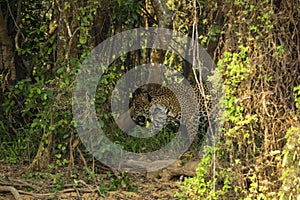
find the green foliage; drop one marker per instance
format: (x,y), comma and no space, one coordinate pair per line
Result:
(91,175)
(36,45)
(13,143)
(235,68)
(297,98)
(85,19)
(290,178)
(203,185)
(12,150)
(255,190)
(211,36)
(114,183)
(136,144)
(40,105)
(45,109)
(126,12)
(290,165)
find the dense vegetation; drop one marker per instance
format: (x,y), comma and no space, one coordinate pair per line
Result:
(255,46)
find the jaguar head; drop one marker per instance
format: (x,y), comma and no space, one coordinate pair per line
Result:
(140,106)
(147,110)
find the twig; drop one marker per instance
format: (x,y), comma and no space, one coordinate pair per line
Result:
(11,189)
(12,16)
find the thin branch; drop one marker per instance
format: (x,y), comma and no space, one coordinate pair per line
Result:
(12,16)
(13,190)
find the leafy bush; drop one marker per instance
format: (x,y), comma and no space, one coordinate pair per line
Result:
(290,165)
(206,184)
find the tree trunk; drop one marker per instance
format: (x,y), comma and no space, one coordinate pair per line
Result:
(164,17)
(7,59)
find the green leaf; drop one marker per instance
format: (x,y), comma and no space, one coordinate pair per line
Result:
(101,123)
(82,40)
(38,90)
(60,70)
(44,97)
(58,155)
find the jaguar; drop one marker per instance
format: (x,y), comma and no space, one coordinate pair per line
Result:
(161,106)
